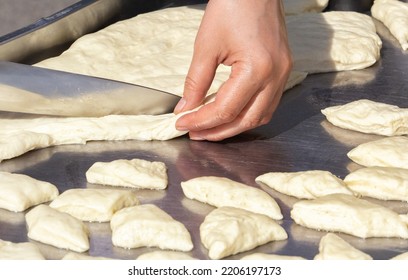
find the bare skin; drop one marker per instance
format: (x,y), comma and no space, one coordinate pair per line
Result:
(250,36)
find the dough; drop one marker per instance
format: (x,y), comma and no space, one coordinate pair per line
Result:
(403,256)
(58,229)
(79,257)
(94,205)
(227,231)
(135,173)
(348,214)
(220,191)
(147,225)
(304,6)
(385,183)
(333,247)
(263,256)
(165,255)
(387,152)
(369,117)
(394,15)
(19,192)
(19,251)
(304,184)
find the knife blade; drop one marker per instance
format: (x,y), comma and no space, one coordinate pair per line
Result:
(35,90)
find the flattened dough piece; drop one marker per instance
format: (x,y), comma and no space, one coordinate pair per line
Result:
(304,184)
(385,183)
(369,117)
(348,214)
(387,152)
(263,256)
(94,205)
(19,251)
(58,229)
(394,15)
(148,226)
(165,255)
(135,173)
(333,247)
(227,231)
(19,192)
(220,191)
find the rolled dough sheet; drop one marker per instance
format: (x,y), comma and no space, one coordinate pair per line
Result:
(19,251)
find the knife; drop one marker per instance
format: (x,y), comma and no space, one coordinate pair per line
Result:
(35,90)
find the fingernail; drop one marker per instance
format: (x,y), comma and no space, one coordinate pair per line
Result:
(180,105)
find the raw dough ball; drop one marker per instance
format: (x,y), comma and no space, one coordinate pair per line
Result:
(220,191)
(165,255)
(94,205)
(147,225)
(135,173)
(304,184)
(263,256)
(19,251)
(227,231)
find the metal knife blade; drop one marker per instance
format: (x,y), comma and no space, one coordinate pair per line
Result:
(35,90)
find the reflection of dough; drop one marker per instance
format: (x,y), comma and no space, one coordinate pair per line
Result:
(387,152)
(227,231)
(165,255)
(58,229)
(333,247)
(385,183)
(369,117)
(19,192)
(19,251)
(135,173)
(220,191)
(263,256)
(94,205)
(348,214)
(149,226)
(304,184)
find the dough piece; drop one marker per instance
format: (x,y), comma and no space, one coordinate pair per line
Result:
(385,183)
(394,15)
(19,251)
(135,173)
(19,192)
(304,184)
(227,231)
(147,225)
(220,191)
(348,214)
(387,152)
(165,255)
(263,256)
(400,257)
(94,205)
(293,7)
(333,247)
(369,117)
(58,229)
(72,256)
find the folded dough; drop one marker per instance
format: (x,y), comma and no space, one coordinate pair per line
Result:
(134,173)
(385,183)
(58,229)
(19,192)
(333,247)
(304,184)
(220,191)
(263,256)
(348,214)
(227,231)
(369,117)
(165,255)
(147,225)
(19,251)
(94,205)
(387,152)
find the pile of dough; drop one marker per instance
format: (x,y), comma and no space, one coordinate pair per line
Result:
(165,255)
(19,251)
(19,192)
(147,225)
(227,231)
(58,229)
(304,184)
(387,152)
(394,15)
(348,214)
(135,173)
(220,191)
(369,117)
(263,256)
(293,7)
(94,205)
(385,183)
(333,247)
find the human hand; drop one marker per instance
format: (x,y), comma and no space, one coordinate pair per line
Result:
(250,36)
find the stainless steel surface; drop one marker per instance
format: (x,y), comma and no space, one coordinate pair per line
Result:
(298,138)
(29,89)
